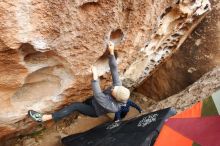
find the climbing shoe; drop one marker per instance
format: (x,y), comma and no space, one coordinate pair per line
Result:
(35,115)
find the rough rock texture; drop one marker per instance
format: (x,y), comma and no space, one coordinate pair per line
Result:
(175,24)
(198,55)
(47,48)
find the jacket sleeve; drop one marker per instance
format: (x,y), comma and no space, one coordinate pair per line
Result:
(114,71)
(101,98)
(96,88)
(131,103)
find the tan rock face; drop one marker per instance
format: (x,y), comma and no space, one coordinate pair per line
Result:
(47,48)
(197,55)
(177,22)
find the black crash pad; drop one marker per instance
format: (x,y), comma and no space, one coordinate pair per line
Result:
(140,131)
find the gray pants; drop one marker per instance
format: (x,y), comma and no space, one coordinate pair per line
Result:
(85,108)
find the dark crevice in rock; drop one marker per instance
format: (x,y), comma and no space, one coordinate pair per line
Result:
(117,36)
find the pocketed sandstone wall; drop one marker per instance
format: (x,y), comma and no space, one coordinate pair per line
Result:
(199,54)
(47,48)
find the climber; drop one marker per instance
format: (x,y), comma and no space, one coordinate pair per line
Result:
(114,99)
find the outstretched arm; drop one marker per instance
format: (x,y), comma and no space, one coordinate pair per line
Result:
(131,103)
(99,96)
(113,65)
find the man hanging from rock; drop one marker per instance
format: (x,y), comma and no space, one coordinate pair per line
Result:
(114,99)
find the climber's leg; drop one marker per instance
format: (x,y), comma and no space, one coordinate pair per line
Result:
(77,106)
(39,117)
(36,116)
(88,101)
(85,108)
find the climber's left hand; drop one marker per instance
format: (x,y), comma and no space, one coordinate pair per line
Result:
(111,47)
(95,73)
